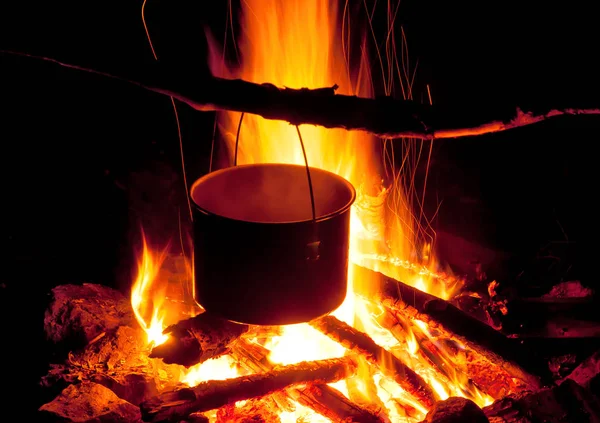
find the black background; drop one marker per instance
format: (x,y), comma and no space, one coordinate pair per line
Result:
(70,141)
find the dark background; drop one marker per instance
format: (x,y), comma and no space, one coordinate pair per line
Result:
(85,158)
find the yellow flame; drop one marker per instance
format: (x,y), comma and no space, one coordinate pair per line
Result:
(146,298)
(296,43)
(220,368)
(447,377)
(302,342)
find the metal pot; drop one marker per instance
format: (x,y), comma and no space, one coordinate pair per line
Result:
(260,255)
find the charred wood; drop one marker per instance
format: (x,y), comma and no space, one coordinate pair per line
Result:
(384,116)
(197,339)
(501,351)
(490,343)
(389,365)
(177,404)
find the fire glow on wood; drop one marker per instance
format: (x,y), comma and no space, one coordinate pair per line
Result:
(379,357)
(295,44)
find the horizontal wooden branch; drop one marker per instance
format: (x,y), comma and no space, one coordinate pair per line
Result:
(322,398)
(385,117)
(173,406)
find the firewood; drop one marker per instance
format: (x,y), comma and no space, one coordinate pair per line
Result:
(499,350)
(384,116)
(566,403)
(389,365)
(331,403)
(323,399)
(507,364)
(453,365)
(255,359)
(508,353)
(177,404)
(197,339)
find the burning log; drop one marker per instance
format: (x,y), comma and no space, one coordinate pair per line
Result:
(485,340)
(499,350)
(389,365)
(331,403)
(178,404)
(362,388)
(325,400)
(197,339)
(254,358)
(383,116)
(444,355)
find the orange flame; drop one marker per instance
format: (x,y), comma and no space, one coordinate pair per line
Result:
(295,43)
(146,298)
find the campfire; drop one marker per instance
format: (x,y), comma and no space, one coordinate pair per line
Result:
(410,357)
(398,349)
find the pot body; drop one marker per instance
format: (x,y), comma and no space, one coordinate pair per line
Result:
(259,257)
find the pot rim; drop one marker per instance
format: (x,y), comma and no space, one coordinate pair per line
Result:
(322,218)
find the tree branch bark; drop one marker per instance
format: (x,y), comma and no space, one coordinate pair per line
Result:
(385,117)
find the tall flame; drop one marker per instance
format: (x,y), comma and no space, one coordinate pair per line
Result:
(296,43)
(147,298)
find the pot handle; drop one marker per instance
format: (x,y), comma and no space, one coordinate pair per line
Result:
(313,247)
